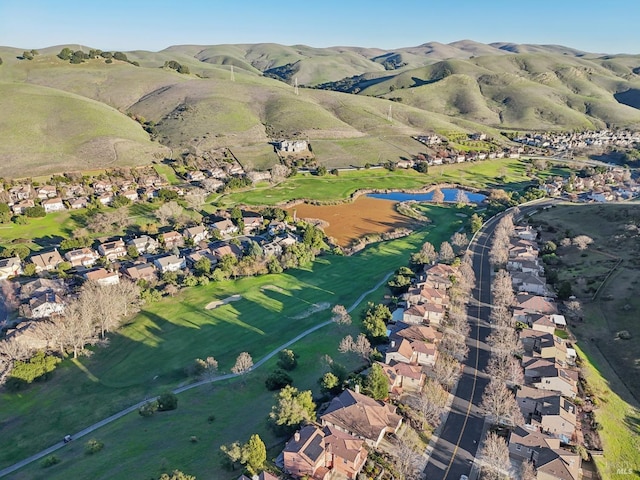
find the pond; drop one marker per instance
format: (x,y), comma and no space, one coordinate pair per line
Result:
(450,195)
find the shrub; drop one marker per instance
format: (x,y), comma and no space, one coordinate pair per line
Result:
(167,401)
(93,446)
(37,368)
(287,360)
(49,461)
(278,379)
(34,212)
(148,409)
(211,418)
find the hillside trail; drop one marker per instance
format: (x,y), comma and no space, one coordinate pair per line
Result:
(12,468)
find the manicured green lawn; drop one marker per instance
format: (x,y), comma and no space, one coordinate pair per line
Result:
(47,232)
(167,172)
(329,188)
(150,354)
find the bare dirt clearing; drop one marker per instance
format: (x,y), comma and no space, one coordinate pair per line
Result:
(350,221)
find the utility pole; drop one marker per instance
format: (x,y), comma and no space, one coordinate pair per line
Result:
(233,77)
(389,116)
(295,86)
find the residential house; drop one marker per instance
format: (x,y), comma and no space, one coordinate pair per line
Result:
(536,304)
(402,350)
(557,464)
(555,378)
(529,283)
(53,205)
(196,234)
(225,227)
(195,176)
(524,265)
(541,323)
(415,314)
(101,186)
(103,277)
(548,411)
(20,207)
(193,257)
(45,305)
(140,271)
(223,249)
(403,377)
(19,193)
(422,333)
(144,244)
(323,453)
(545,345)
(47,191)
(252,222)
(171,240)
(292,146)
(10,267)
(439,275)
(113,250)
(426,294)
(131,195)
(276,227)
(106,198)
(46,261)
(526,232)
(261,476)
(40,286)
(525,442)
(29,335)
(77,203)
(362,417)
(170,263)
(272,249)
(543,451)
(82,257)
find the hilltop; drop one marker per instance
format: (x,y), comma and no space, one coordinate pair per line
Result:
(242,97)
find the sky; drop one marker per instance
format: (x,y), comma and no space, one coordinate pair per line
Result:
(595,26)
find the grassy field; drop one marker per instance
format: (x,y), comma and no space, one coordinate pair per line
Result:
(614,362)
(619,415)
(483,175)
(50,230)
(150,355)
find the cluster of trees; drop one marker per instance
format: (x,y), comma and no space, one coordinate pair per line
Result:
(504,369)
(87,319)
(173,65)
(252,455)
(29,54)
(80,56)
(499,253)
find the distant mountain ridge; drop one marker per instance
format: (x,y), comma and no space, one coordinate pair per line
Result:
(242,96)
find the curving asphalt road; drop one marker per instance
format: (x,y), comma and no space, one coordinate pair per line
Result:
(16,466)
(457,444)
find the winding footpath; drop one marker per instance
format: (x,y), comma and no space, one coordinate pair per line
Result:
(16,466)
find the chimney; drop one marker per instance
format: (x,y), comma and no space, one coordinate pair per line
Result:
(356,388)
(393,343)
(296,436)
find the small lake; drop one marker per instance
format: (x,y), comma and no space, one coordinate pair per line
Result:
(450,195)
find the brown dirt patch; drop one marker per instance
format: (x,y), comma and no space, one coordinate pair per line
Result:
(350,221)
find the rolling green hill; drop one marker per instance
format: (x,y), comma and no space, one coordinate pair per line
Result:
(463,86)
(43,130)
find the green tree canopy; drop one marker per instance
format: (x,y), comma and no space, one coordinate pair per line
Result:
(293,407)
(377,384)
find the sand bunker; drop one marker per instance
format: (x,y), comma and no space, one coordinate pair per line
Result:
(315,308)
(273,288)
(219,303)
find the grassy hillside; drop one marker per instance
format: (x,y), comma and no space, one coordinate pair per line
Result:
(464,86)
(527,91)
(44,131)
